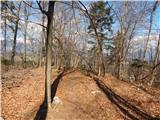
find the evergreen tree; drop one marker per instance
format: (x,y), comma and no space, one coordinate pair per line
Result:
(100,28)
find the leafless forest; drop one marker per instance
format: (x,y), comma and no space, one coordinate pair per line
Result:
(80,60)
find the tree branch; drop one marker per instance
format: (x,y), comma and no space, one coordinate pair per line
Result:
(30,5)
(40,7)
(89,17)
(151,71)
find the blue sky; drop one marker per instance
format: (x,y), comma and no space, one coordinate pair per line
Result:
(157,18)
(37,18)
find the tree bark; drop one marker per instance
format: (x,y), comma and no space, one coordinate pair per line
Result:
(49,51)
(155,61)
(121,60)
(150,27)
(25,34)
(43,36)
(15,35)
(5,29)
(101,68)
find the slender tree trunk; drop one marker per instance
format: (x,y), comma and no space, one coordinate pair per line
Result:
(101,68)
(40,55)
(43,36)
(157,50)
(49,51)
(25,34)
(155,61)
(150,27)
(120,74)
(124,31)
(145,47)
(15,35)
(117,67)
(59,54)
(119,59)
(5,30)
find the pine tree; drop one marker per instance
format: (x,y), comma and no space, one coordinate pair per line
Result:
(100,28)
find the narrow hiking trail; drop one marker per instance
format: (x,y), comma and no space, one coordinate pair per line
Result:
(81,100)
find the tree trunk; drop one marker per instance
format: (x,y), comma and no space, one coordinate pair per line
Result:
(59,54)
(25,34)
(151,20)
(5,30)
(101,68)
(15,35)
(155,61)
(145,47)
(121,58)
(43,37)
(49,51)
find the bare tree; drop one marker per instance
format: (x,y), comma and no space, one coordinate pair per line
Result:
(43,37)
(26,16)
(15,33)
(59,27)
(150,27)
(125,14)
(4,17)
(155,61)
(48,69)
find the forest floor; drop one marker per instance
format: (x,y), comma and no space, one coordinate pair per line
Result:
(22,92)
(75,97)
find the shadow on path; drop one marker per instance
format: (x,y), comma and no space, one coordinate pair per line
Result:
(42,112)
(54,86)
(125,107)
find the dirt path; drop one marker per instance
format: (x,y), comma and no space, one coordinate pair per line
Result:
(81,100)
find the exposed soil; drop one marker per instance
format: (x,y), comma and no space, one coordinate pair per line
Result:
(81,100)
(81,97)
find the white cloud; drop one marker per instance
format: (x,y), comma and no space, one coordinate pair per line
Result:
(21,40)
(142,38)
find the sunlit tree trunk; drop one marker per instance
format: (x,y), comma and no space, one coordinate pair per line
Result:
(43,36)
(101,68)
(150,27)
(15,34)
(59,55)
(155,61)
(49,51)
(5,29)
(25,33)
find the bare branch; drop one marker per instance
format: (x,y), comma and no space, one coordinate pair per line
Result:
(151,71)
(28,21)
(30,5)
(89,17)
(40,7)
(33,22)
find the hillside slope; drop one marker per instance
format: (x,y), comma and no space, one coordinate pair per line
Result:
(75,96)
